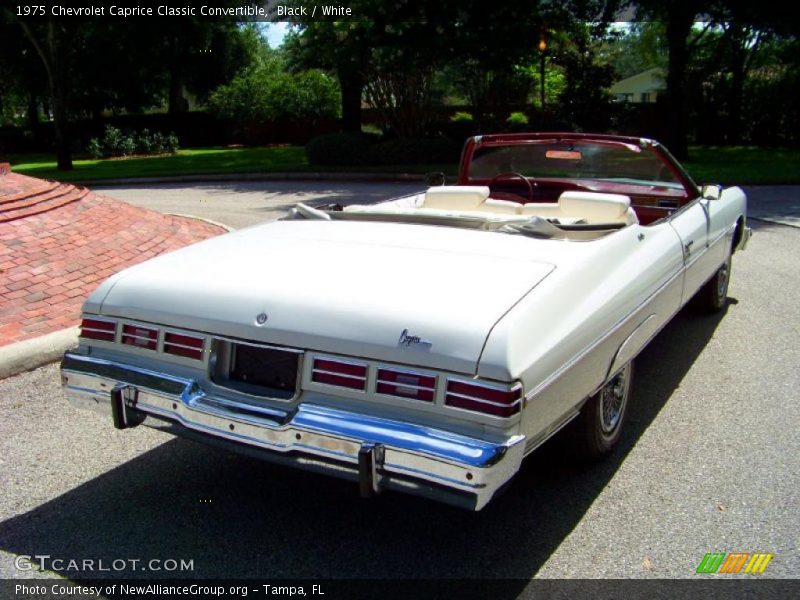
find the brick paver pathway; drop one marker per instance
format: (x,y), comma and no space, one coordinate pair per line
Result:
(58,242)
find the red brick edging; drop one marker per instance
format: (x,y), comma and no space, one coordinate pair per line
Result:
(58,242)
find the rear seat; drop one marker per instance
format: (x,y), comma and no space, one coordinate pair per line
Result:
(456,197)
(589,207)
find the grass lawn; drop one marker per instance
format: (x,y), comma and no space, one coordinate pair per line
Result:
(728,165)
(743,165)
(198,161)
(185,162)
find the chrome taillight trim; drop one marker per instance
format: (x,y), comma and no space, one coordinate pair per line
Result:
(111,330)
(95,330)
(127,340)
(341,361)
(483,400)
(515,406)
(324,372)
(184,346)
(396,386)
(358,381)
(147,338)
(406,385)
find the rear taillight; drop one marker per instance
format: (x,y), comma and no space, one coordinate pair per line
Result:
(497,400)
(405,384)
(184,345)
(141,337)
(97,329)
(340,373)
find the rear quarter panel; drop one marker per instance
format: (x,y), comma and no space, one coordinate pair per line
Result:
(561,339)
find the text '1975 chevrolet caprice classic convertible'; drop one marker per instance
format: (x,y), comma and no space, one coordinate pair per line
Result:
(428,343)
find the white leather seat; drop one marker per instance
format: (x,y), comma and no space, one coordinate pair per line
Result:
(456,197)
(594,206)
(590,207)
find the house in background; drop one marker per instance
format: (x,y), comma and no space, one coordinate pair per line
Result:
(641,88)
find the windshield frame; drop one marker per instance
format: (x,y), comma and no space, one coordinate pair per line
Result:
(689,188)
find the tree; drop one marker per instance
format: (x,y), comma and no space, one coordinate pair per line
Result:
(340,47)
(93,65)
(267,92)
(49,40)
(679,19)
(639,47)
(23,78)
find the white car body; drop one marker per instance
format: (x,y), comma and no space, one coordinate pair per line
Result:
(397,287)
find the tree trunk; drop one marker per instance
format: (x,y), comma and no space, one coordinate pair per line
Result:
(352,85)
(61,127)
(32,113)
(679,26)
(739,39)
(51,53)
(177,103)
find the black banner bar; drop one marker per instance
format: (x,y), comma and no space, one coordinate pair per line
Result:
(706,587)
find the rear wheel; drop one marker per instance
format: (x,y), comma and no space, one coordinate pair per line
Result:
(598,427)
(713,296)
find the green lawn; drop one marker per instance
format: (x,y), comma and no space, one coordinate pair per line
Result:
(728,165)
(185,162)
(744,165)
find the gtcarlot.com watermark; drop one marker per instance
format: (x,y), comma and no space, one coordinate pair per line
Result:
(46,562)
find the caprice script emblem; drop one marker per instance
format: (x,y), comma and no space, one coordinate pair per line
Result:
(413,341)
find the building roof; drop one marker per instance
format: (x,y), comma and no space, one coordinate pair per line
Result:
(651,80)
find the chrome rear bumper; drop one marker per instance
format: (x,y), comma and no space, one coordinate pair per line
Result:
(380,453)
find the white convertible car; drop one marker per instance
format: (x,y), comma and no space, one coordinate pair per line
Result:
(429,343)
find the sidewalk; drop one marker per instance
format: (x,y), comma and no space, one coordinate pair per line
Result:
(59,241)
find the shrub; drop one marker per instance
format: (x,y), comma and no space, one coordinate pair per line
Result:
(158,143)
(144,142)
(95,148)
(112,140)
(462,117)
(341,149)
(171,144)
(127,145)
(517,121)
(117,143)
(415,151)
(352,149)
(267,93)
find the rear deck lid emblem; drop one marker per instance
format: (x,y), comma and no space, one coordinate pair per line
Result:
(413,341)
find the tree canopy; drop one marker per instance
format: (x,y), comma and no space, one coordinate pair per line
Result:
(720,58)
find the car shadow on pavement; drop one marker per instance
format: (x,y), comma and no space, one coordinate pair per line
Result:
(237,517)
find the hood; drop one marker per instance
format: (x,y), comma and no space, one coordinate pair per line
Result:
(412,294)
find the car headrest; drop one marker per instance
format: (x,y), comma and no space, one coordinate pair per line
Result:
(594,205)
(456,197)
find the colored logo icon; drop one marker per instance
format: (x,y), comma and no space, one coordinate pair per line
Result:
(734,562)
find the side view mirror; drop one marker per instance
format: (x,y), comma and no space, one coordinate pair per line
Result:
(711,191)
(435,178)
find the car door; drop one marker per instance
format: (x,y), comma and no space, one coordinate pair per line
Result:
(691,223)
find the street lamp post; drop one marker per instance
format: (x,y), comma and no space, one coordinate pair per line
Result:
(542,48)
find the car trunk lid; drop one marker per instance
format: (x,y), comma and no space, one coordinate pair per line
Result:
(409,294)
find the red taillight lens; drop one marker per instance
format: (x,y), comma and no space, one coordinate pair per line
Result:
(184,345)
(141,337)
(96,329)
(349,374)
(406,385)
(491,400)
